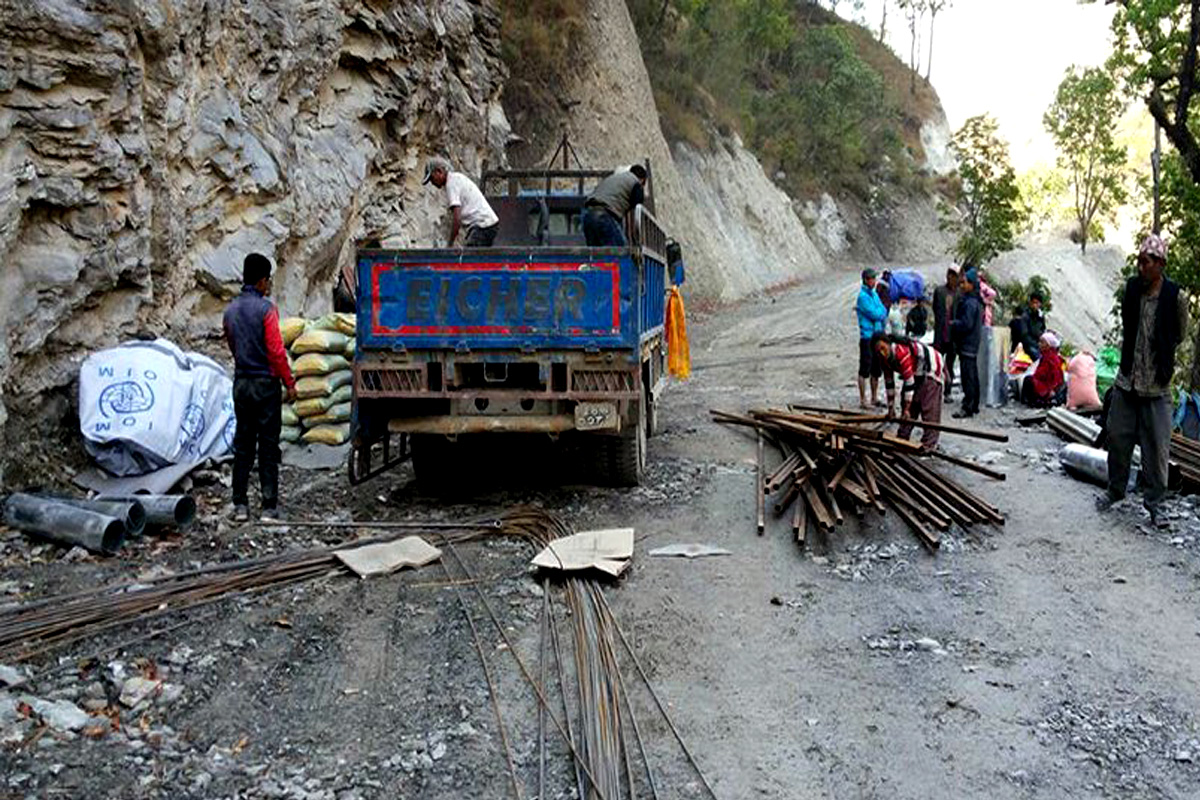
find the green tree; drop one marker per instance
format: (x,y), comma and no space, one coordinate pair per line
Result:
(1154,51)
(989,212)
(1043,197)
(1155,54)
(1082,119)
(823,119)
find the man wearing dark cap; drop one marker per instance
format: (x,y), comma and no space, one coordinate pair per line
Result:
(1153,320)
(872,319)
(470,209)
(251,325)
(605,209)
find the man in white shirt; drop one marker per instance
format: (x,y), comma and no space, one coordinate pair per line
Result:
(466,202)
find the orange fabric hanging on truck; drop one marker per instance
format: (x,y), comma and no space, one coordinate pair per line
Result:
(679,358)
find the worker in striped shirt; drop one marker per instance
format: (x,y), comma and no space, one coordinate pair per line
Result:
(923,374)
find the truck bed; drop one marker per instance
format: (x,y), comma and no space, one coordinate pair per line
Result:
(508,299)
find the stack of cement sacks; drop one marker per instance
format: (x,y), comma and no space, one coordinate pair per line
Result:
(321,352)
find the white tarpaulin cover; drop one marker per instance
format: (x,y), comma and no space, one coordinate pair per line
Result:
(144,405)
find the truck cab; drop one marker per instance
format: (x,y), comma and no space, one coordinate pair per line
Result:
(538,334)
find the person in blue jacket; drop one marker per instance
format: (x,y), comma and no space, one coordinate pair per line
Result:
(872,319)
(966,330)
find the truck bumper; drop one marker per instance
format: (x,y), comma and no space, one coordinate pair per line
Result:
(453,426)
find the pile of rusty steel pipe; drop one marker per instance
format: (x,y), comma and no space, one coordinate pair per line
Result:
(832,462)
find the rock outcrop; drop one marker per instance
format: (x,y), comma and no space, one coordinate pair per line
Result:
(146,146)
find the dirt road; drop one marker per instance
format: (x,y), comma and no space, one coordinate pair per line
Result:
(1056,657)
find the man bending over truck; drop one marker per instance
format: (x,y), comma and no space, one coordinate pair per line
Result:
(252,330)
(614,197)
(468,205)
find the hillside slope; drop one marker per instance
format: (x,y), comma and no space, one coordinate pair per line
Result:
(833,114)
(740,232)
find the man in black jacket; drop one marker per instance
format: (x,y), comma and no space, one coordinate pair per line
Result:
(1028,328)
(945,302)
(1153,319)
(966,331)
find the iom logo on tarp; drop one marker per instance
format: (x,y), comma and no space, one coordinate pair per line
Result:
(229,432)
(192,428)
(126,400)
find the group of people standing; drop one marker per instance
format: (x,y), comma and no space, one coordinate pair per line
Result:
(1137,411)
(960,313)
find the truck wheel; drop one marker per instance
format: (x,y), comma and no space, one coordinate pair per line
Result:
(433,457)
(627,454)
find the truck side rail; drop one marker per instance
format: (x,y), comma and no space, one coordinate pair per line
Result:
(650,247)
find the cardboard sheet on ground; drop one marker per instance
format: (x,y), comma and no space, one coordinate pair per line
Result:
(690,550)
(607,550)
(387,557)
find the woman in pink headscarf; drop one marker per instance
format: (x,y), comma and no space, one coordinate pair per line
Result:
(988,295)
(1044,386)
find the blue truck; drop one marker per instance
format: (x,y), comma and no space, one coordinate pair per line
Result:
(538,334)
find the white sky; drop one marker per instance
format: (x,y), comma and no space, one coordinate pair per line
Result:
(1005,57)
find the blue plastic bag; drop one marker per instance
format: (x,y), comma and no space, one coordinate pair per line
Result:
(907,285)
(1187,415)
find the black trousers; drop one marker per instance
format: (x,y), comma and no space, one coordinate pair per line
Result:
(257,404)
(1146,422)
(482,237)
(968,376)
(948,357)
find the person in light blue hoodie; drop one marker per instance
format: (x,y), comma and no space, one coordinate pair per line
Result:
(872,319)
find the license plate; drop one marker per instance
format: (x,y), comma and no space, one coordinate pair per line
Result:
(596,416)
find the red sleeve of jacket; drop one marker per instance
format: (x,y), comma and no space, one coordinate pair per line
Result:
(904,359)
(276,355)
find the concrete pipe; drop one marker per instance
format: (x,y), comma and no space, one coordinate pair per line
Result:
(172,510)
(65,524)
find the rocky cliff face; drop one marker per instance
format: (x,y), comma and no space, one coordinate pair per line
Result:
(146,146)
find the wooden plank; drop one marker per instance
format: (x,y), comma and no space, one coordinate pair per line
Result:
(971,465)
(800,522)
(977,506)
(839,475)
(927,537)
(855,490)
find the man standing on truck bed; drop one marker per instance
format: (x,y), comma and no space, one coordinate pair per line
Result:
(614,197)
(468,205)
(252,331)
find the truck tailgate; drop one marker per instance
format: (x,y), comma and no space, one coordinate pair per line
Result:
(497,299)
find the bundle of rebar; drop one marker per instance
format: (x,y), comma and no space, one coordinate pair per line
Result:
(39,625)
(832,460)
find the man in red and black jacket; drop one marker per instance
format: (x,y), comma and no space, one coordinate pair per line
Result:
(260,364)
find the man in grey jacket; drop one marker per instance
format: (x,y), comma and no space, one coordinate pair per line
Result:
(605,209)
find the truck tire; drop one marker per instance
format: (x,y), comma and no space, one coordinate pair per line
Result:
(626,453)
(433,459)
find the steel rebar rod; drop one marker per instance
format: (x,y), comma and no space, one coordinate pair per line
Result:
(657,700)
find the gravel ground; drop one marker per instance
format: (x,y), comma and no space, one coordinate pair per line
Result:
(1053,657)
